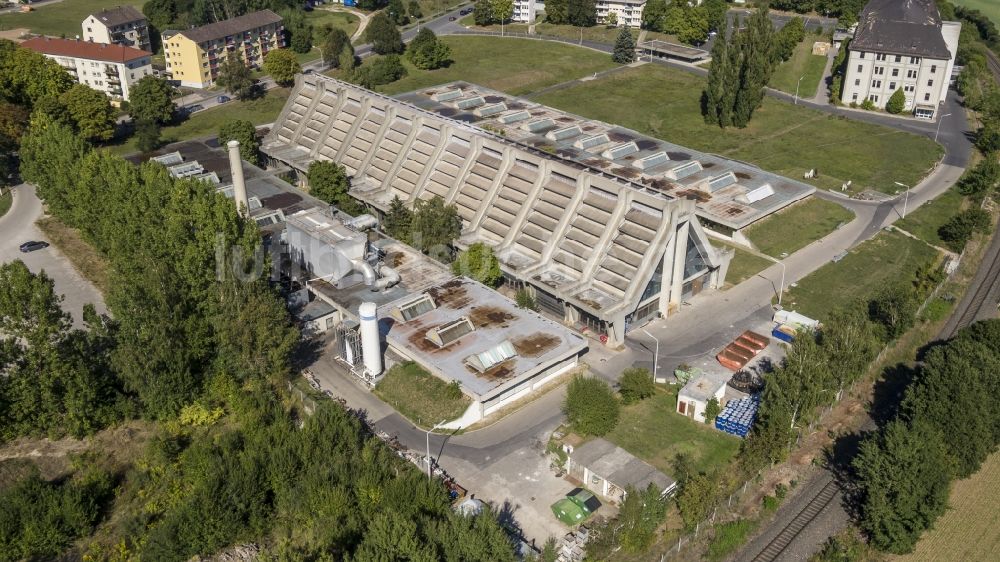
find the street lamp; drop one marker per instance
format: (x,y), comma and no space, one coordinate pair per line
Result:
(938,130)
(796,101)
(656,353)
(427,434)
(906,198)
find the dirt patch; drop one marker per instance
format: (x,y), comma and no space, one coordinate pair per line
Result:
(646,144)
(452,294)
(90,263)
(490,317)
(695,194)
(395,259)
(536,344)
(498,372)
(16,35)
(743,175)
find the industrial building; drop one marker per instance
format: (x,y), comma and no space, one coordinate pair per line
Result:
(902,45)
(599,222)
(107,68)
(122,25)
(609,470)
(193,56)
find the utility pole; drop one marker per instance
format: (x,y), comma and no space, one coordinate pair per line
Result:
(656,354)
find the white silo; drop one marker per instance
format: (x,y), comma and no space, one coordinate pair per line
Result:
(371,347)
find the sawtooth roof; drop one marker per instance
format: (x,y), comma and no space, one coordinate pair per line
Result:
(901,27)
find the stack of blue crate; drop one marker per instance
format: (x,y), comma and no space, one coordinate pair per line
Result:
(738,415)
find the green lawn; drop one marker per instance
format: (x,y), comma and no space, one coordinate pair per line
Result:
(989,7)
(515,66)
(63,18)
(420,396)
(5,202)
(888,258)
(797,226)
(597,33)
(783,138)
(744,266)
(207,123)
(321,18)
(925,221)
(653,431)
(802,64)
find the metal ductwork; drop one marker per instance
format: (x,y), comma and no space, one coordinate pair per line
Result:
(389,277)
(362,222)
(239,184)
(371,346)
(367,270)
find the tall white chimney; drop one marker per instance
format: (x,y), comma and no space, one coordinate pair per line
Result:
(239,184)
(371,347)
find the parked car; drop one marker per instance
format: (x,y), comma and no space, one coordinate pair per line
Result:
(576,507)
(33,245)
(452,18)
(222,99)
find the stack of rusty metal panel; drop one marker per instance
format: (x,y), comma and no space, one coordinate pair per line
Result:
(742,350)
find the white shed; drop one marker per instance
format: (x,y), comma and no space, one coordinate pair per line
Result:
(693,398)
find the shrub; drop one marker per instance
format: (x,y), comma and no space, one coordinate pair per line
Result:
(897,102)
(960,228)
(524,299)
(479,263)
(712,409)
(729,537)
(868,105)
(636,384)
(381,70)
(591,406)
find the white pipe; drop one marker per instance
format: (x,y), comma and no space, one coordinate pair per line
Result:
(239,184)
(389,278)
(371,347)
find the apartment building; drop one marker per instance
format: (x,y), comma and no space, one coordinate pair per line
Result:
(524,11)
(123,25)
(628,12)
(193,56)
(901,44)
(107,68)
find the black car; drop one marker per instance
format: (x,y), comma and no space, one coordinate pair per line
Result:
(33,245)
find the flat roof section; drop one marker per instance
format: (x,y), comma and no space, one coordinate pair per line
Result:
(673,50)
(727,192)
(510,342)
(618,466)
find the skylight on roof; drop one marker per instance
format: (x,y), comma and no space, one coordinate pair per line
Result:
(652,160)
(563,134)
(591,142)
(685,170)
(762,192)
(450,332)
(514,117)
(621,151)
(492,357)
(410,310)
(719,182)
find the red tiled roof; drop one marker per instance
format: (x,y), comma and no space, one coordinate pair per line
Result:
(84,49)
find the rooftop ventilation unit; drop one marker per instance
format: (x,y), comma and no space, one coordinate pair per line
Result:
(469,103)
(514,117)
(651,161)
(762,192)
(449,333)
(447,95)
(620,151)
(590,142)
(492,357)
(563,134)
(186,170)
(538,125)
(684,170)
(491,109)
(719,182)
(414,308)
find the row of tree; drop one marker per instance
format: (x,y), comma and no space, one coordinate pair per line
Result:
(741,68)
(689,22)
(846,10)
(944,430)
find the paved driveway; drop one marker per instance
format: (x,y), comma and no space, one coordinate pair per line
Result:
(18,226)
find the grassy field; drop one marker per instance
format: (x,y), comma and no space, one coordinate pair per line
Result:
(653,431)
(321,18)
(515,66)
(925,221)
(89,262)
(5,201)
(207,123)
(63,18)
(597,33)
(797,226)
(744,266)
(802,64)
(783,138)
(420,396)
(989,7)
(968,530)
(888,258)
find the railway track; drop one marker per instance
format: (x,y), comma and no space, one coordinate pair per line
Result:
(993,62)
(802,519)
(980,297)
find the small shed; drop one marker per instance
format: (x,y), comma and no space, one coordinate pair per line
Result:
(694,397)
(607,469)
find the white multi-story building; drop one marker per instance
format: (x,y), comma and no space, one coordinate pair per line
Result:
(123,25)
(901,44)
(107,68)
(524,11)
(628,12)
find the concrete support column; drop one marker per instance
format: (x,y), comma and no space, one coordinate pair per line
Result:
(680,254)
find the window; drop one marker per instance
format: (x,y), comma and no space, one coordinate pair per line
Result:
(880,56)
(879,70)
(914,60)
(876,83)
(892,86)
(895,72)
(899,58)
(933,68)
(911,73)
(857,81)
(861,55)
(908,88)
(930,82)
(861,68)
(854,98)
(927,97)
(89,30)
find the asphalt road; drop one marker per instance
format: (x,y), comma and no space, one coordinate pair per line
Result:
(17,227)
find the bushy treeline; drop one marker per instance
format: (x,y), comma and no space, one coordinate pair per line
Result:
(690,22)
(847,11)
(819,366)
(741,67)
(945,428)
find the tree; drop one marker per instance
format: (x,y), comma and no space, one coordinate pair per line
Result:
(371,5)
(653,15)
(235,77)
(894,309)
(590,406)
(983,179)
(379,70)
(715,14)
(897,102)
(50,158)
(960,228)
(346,60)
(383,35)
(581,13)
(282,65)
(14,121)
(151,99)
(503,10)
(482,13)
(91,111)
(636,384)
(298,31)
(245,132)
(427,52)
(903,474)
(328,182)
(413,8)
(479,263)
(612,19)
(787,38)
(397,13)
(716,105)
(641,514)
(26,77)
(147,135)
(712,409)
(757,46)
(398,220)
(624,47)
(160,13)
(434,226)
(334,44)
(695,499)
